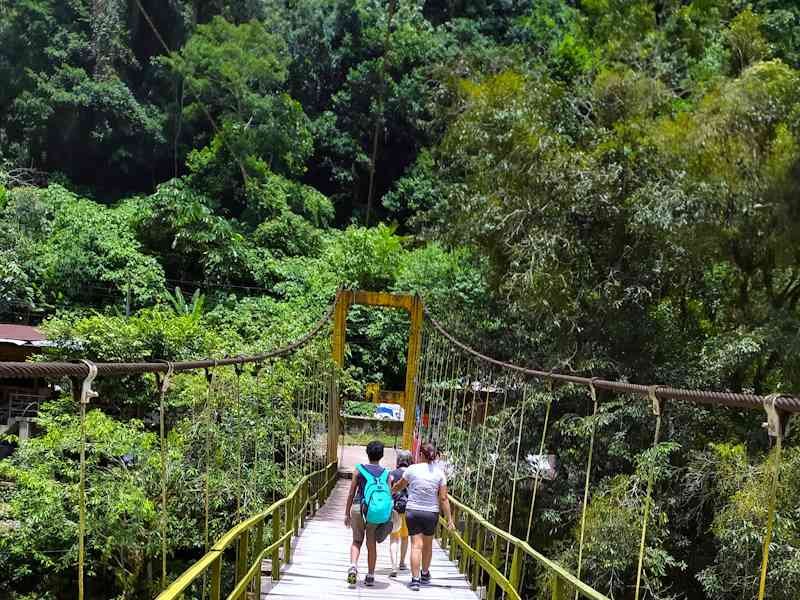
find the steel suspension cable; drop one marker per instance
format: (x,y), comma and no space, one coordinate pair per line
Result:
(516,467)
(497,450)
(784,403)
(648,501)
(439,395)
(447,394)
(207,465)
(83,396)
(430,392)
(450,410)
(257,368)
(30,370)
(162,384)
(774,429)
(593,393)
(421,381)
(537,474)
(483,439)
(420,388)
(238,396)
(463,425)
(468,448)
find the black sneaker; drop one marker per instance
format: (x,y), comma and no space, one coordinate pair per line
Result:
(369,580)
(414,585)
(425,577)
(352,575)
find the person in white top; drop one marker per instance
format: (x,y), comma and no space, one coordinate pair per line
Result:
(427,493)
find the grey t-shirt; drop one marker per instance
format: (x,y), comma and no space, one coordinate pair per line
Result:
(424,480)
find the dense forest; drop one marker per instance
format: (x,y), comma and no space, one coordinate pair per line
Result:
(603,187)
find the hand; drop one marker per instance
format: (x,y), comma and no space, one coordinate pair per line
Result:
(347,520)
(450,524)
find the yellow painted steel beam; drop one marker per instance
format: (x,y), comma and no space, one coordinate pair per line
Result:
(412,363)
(408,302)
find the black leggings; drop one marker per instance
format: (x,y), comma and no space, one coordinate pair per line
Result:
(421,521)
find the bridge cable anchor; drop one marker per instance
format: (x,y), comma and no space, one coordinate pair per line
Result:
(163,381)
(656,403)
(777,423)
(87,393)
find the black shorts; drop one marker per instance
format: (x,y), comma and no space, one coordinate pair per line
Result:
(421,521)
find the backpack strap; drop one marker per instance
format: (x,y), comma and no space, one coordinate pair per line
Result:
(366,474)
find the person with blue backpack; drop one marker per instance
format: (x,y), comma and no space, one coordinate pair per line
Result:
(368,511)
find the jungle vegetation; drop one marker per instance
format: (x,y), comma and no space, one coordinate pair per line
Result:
(604,187)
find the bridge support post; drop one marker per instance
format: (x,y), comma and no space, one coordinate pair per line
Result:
(412,362)
(411,304)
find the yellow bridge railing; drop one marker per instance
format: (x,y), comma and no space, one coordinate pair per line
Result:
(286,516)
(482,550)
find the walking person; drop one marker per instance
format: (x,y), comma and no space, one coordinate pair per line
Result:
(368,511)
(398,541)
(427,494)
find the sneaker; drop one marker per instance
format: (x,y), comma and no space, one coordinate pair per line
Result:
(393,573)
(369,580)
(352,575)
(414,585)
(425,577)
(403,567)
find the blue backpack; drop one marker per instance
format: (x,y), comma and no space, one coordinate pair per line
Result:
(376,506)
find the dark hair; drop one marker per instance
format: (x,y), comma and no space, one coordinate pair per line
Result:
(428,451)
(404,458)
(375,450)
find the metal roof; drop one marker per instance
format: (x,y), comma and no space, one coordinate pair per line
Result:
(22,335)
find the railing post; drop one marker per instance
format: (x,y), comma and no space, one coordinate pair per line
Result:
(276,552)
(555,587)
(241,558)
(463,560)
(492,593)
(216,577)
(516,568)
(259,546)
(452,541)
(303,505)
(287,546)
(480,535)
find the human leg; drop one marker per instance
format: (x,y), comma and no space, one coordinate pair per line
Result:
(427,553)
(372,550)
(394,547)
(403,551)
(357,525)
(417,543)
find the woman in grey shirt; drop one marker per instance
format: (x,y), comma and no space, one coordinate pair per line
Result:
(427,492)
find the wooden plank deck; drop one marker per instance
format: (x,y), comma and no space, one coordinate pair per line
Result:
(322,556)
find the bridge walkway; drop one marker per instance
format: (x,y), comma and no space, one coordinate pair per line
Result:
(321,558)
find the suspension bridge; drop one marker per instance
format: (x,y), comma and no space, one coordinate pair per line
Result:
(475,408)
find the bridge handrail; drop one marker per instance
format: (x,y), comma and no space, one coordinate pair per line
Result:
(295,507)
(472,551)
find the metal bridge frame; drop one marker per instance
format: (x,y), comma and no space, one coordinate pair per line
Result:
(411,304)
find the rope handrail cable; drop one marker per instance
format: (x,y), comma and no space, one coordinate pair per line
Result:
(25,370)
(785,403)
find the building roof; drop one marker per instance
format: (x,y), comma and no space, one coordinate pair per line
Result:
(22,335)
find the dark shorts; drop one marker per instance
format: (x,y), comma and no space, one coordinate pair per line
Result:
(421,521)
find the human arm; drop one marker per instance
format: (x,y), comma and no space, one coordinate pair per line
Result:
(444,502)
(351,494)
(400,485)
